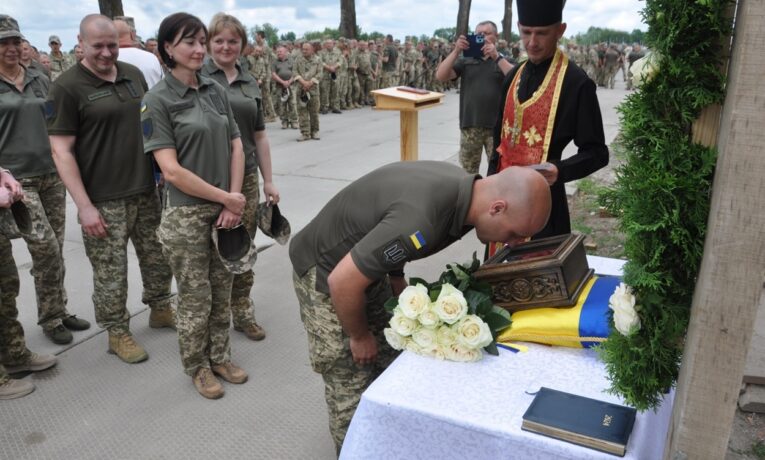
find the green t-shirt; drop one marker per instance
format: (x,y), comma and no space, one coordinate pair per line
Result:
(198,123)
(397,213)
(24,146)
(247,103)
(282,68)
(391,53)
(105,119)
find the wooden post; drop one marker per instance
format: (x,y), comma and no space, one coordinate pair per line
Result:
(730,281)
(409,135)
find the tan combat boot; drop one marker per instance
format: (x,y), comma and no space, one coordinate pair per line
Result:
(206,383)
(13,389)
(230,372)
(253,331)
(162,318)
(126,348)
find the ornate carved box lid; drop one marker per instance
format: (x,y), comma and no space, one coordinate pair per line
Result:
(548,272)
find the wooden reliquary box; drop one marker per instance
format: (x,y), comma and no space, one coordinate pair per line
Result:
(548,272)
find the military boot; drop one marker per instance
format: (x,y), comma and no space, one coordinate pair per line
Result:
(230,372)
(35,363)
(59,335)
(162,318)
(206,383)
(13,389)
(253,331)
(126,348)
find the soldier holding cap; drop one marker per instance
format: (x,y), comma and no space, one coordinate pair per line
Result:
(564,107)
(25,150)
(59,61)
(349,259)
(190,128)
(93,113)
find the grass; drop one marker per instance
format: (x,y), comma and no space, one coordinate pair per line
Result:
(758,450)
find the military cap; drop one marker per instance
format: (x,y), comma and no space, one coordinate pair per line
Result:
(9,28)
(235,248)
(54,39)
(16,221)
(272,223)
(539,13)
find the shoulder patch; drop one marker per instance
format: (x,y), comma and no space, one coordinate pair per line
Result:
(393,252)
(147,126)
(417,240)
(50,110)
(143,106)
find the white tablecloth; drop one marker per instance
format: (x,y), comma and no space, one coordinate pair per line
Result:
(422,408)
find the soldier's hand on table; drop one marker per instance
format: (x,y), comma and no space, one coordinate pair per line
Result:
(93,224)
(228,219)
(271,193)
(235,202)
(364,349)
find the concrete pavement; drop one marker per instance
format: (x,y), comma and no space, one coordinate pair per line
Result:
(91,405)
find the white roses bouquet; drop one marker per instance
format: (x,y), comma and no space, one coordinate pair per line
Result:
(622,302)
(444,321)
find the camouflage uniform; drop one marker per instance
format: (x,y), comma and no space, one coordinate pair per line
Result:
(344,87)
(13,350)
(308,114)
(204,285)
(134,218)
(472,142)
(241,303)
(59,64)
(355,89)
(330,353)
(45,197)
(330,96)
(366,85)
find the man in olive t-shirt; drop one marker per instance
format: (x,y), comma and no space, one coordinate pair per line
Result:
(349,259)
(93,113)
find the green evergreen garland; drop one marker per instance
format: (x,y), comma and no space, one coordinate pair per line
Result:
(662,193)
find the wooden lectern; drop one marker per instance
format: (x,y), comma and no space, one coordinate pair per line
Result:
(408,103)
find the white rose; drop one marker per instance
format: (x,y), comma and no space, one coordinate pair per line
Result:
(459,353)
(473,333)
(424,337)
(436,352)
(622,302)
(446,336)
(412,346)
(429,319)
(451,305)
(402,325)
(413,301)
(395,340)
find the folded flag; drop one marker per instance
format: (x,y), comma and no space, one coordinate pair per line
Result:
(584,325)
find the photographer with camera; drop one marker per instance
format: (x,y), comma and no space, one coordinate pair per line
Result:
(482,69)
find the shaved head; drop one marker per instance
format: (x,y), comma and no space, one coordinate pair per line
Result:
(96,23)
(123,29)
(510,205)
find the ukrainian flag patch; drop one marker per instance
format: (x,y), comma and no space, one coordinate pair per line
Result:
(417,239)
(143,107)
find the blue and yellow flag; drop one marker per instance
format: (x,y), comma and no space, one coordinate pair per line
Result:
(417,239)
(584,325)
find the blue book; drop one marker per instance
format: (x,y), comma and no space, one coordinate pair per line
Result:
(588,422)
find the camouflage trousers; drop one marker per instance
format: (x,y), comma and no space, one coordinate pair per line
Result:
(204,285)
(241,304)
(389,79)
(355,88)
(45,197)
(609,75)
(134,218)
(342,90)
(472,142)
(308,115)
(13,350)
(330,352)
(365,85)
(268,106)
(287,109)
(330,97)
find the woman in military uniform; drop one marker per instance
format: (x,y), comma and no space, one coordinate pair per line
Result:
(189,126)
(228,38)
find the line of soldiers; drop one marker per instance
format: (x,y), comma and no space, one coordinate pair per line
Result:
(303,79)
(603,61)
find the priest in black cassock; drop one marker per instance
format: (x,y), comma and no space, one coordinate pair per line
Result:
(547,102)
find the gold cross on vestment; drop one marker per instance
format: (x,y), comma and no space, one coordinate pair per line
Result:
(532,136)
(510,132)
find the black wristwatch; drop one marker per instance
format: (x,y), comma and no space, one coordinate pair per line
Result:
(500,56)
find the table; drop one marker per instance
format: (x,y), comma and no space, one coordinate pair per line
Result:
(422,408)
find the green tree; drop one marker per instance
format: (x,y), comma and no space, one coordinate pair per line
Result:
(447,33)
(288,36)
(271,32)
